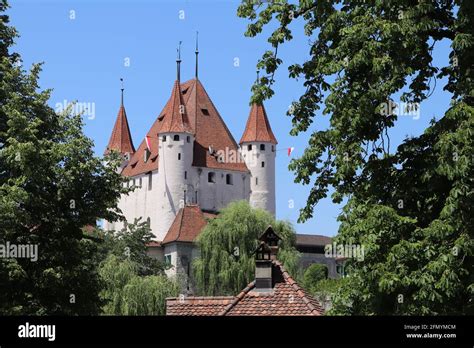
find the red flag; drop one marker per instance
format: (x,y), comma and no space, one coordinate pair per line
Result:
(147,141)
(290,150)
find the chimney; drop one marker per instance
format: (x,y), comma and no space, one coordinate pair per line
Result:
(264,255)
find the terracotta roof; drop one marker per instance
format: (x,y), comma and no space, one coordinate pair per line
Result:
(187,225)
(153,243)
(258,127)
(197,306)
(286,299)
(312,240)
(174,116)
(207,125)
(121,140)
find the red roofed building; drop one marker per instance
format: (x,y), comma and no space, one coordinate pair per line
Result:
(273,293)
(189,166)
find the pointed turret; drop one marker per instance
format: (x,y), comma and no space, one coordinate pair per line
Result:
(175,117)
(121,139)
(258,127)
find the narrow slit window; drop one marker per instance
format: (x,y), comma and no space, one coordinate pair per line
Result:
(211,177)
(263,164)
(150,181)
(229,179)
(179,156)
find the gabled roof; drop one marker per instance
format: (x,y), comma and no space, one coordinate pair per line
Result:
(258,127)
(121,140)
(286,299)
(187,225)
(207,125)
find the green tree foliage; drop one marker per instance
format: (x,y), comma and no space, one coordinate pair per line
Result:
(125,292)
(226,263)
(131,243)
(411,208)
(313,274)
(51,185)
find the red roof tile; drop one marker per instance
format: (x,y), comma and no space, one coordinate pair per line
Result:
(175,117)
(197,306)
(312,240)
(187,225)
(258,127)
(207,125)
(121,140)
(286,299)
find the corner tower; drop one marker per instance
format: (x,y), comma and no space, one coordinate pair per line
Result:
(121,139)
(258,148)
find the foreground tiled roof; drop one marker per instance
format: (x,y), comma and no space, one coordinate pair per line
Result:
(258,127)
(121,140)
(286,299)
(187,225)
(201,306)
(207,125)
(312,240)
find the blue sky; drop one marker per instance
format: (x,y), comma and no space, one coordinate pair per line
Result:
(85,56)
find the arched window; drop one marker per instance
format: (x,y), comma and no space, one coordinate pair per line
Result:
(211,177)
(176,137)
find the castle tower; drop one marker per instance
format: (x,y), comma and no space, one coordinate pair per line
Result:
(258,146)
(121,139)
(175,155)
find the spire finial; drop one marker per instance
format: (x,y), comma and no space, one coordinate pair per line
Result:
(197,53)
(121,89)
(178,63)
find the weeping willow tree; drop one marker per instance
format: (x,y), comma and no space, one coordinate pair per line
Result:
(126,292)
(226,263)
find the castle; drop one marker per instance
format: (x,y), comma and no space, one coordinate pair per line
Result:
(189,167)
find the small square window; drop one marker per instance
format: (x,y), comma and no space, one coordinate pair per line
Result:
(249,147)
(168,259)
(229,179)
(205,112)
(163,138)
(262,147)
(176,137)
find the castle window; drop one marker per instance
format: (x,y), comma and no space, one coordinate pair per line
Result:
(163,138)
(168,259)
(263,164)
(179,156)
(273,148)
(262,147)
(249,147)
(256,181)
(228,179)
(150,181)
(211,177)
(188,139)
(140,182)
(205,112)
(176,137)
(185,175)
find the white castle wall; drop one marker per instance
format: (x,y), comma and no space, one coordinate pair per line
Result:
(262,184)
(175,163)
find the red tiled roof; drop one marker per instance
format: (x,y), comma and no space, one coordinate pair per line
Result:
(121,140)
(286,299)
(153,244)
(187,225)
(175,117)
(207,125)
(258,127)
(197,306)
